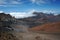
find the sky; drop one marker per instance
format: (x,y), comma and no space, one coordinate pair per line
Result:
(25,8)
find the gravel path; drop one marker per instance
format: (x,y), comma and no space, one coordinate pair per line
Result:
(37,36)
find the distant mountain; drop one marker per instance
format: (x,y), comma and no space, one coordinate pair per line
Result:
(40,18)
(48,27)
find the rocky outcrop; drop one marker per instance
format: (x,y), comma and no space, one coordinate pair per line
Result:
(6,30)
(6,17)
(6,20)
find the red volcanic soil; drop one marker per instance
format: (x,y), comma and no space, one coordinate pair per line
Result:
(48,27)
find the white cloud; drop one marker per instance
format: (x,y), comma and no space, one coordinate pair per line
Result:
(38,1)
(4,5)
(21,2)
(2,2)
(1,11)
(48,11)
(33,1)
(42,1)
(22,14)
(16,2)
(10,2)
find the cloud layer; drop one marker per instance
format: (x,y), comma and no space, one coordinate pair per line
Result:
(21,1)
(22,14)
(3,2)
(42,1)
(28,13)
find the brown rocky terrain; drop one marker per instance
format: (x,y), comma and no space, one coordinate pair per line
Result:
(48,27)
(7,36)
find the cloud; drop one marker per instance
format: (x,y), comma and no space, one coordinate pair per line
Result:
(10,3)
(3,2)
(5,5)
(42,1)
(49,11)
(22,14)
(37,1)
(1,11)
(16,2)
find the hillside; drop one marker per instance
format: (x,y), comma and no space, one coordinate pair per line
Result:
(40,18)
(6,30)
(48,27)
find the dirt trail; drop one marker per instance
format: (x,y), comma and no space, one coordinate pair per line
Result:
(37,36)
